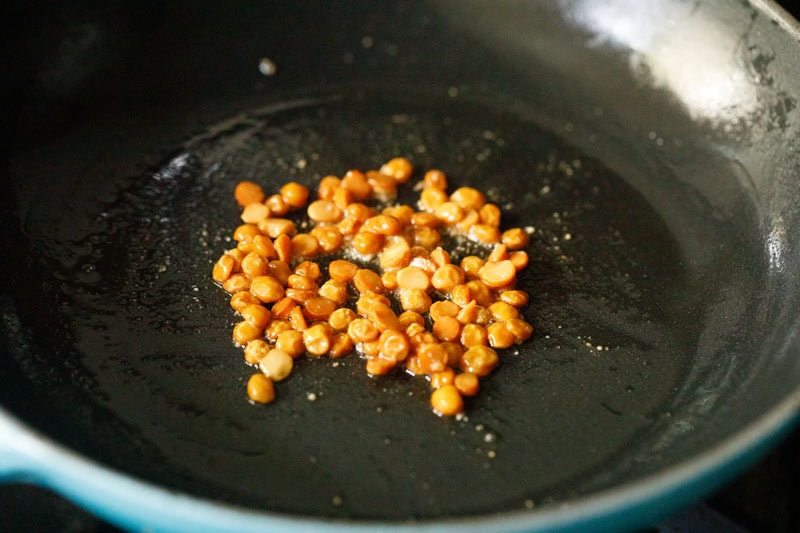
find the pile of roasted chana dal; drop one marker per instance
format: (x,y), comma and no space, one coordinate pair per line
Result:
(391,292)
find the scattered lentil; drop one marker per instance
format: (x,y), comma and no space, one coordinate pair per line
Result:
(260,389)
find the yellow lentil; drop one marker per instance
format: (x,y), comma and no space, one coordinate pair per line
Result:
(300,311)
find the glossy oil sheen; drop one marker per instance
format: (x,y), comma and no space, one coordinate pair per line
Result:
(139,335)
(682,257)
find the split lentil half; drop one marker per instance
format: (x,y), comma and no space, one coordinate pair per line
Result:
(454,315)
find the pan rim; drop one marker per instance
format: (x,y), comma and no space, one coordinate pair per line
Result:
(110,492)
(132,502)
(777,13)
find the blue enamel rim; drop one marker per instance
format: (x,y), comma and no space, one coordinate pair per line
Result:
(27,456)
(135,504)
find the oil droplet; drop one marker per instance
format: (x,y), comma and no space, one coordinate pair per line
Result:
(267,67)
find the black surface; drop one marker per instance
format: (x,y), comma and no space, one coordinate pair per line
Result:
(129,270)
(138,339)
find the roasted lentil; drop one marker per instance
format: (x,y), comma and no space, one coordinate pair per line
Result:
(475,306)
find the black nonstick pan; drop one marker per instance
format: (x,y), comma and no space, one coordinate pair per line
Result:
(653,148)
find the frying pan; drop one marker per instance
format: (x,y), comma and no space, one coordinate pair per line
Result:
(654,147)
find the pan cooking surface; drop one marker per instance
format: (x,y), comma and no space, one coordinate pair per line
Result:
(125,353)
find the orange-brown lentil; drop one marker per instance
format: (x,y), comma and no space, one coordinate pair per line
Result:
(245,331)
(384,187)
(447,277)
(447,328)
(467,383)
(389,280)
(435,179)
(407,318)
(489,214)
(280,270)
(443,308)
(275,328)
(255,351)
(342,198)
(366,280)
(240,300)
(247,192)
(223,268)
(440,257)
(342,271)
(295,194)
(319,308)
(283,307)
(440,379)
(299,281)
(379,366)
(302,312)
(335,291)
(291,342)
(304,245)
(367,243)
(356,182)
(394,345)
(317,339)
(479,360)
(254,213)
(499,336)
(260,388)
(257,315)
(300,296)
(283,245)
(328,187)
(426,237)
(297,319)
(236,283)
(515,238)
(329,238)
(398,168)
(277,205)
(341,345)
(499,253)
(447,401)
(340,319)
(362,330)
(308,269)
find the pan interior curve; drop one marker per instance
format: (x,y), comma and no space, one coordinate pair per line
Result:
(127,343)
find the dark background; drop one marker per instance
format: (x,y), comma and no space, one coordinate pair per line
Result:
(765,498)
